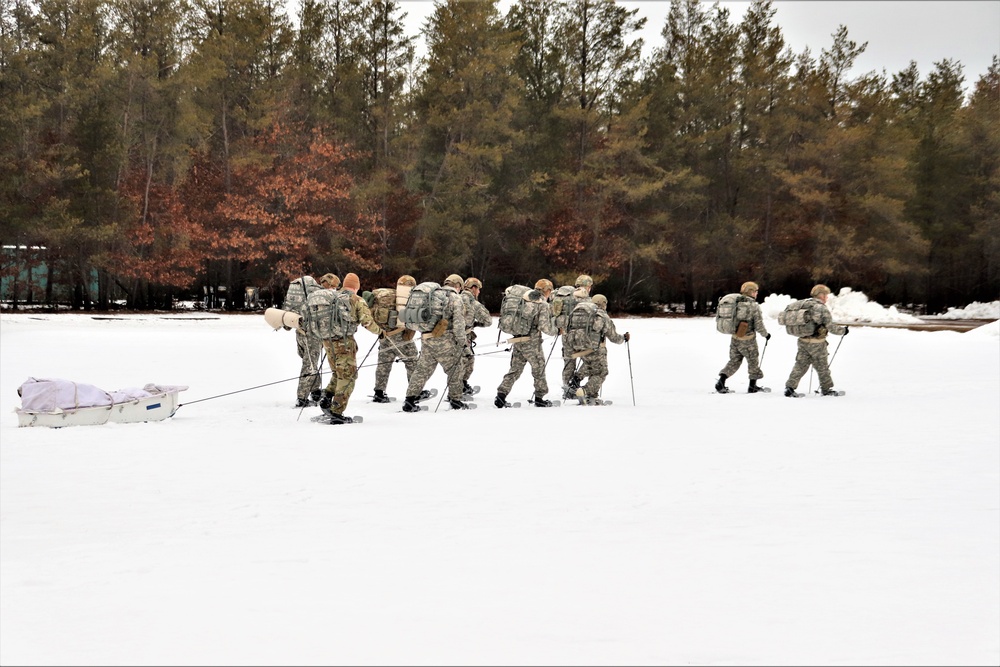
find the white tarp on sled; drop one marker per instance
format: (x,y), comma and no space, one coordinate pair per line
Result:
(56,402)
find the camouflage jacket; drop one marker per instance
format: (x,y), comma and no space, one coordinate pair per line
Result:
(475,313)
(756,324)
(825,324)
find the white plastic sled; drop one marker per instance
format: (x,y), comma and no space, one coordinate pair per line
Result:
(58,403)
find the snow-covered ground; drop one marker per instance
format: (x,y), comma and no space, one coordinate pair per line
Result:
(678,526)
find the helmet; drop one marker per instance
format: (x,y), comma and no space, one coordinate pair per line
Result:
(407,280)
(601,301)
(584,281)
(818,290)
(748,287)
(454,280)
(473,282)
(544,284)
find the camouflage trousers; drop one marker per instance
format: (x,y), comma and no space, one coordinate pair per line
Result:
(738,350)
(433,351)
(595,370)
(469,362)
(569,366)
(309,348)
(811,354)
(391,348)
(527,352)
(342,354)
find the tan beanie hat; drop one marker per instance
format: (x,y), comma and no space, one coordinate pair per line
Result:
(352,282)
(748,287)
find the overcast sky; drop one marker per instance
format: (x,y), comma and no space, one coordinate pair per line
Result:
(896,31)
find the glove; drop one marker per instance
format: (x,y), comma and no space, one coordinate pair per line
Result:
(381,334)
(767,337)
(627,337)
(847,330)
(286,328)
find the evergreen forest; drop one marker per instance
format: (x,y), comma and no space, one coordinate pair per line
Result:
(157,150)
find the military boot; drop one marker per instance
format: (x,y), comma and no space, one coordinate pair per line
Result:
(380,396)
(720,386)
(501,400)
(410,405)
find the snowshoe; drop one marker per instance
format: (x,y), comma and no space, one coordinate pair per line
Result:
(791,393)
(380,397)
(833,392)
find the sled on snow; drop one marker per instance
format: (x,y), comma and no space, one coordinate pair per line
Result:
(55,403)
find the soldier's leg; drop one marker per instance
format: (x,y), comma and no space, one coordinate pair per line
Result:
(569,368)
(450,358)
(735,359)
(346,371)
(597,369)
(409,354)
(331,386)
(308,349)
(386,357)
(426,363)
(536,357)
(802,363)
(821,362)
(517,361)
(749,350)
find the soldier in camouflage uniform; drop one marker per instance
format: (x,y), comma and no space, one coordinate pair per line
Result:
(444,345)
(595,357)
(530,351)
(813,350)
(307,345)
(743,345)
(396,344)
(570,380)
(476,315)
(342,354)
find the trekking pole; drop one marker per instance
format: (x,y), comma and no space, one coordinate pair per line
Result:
(631,381)
(835,352)
(766,341)
(551,350)
(369,352)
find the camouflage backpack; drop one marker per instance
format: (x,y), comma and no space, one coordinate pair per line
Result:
(425,306)
(733,310)
(383,307)
(563,303)
(518,309)
(296,296)
(328,314)
(799,319)
(585,329)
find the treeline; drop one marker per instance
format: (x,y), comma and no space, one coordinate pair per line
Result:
(166,146)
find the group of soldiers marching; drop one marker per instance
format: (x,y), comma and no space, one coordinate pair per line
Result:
(570,312)
(449,344)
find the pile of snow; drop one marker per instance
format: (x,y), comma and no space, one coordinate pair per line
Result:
(974,311)
(854,307)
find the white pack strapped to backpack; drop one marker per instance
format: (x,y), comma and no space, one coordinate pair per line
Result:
(298,292)
(425,306)
(733,309)
(563,303)
(328,314)
(518,309)
(799,319)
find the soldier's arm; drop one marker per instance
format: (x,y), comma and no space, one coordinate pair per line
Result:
(610,333)
(364,315)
